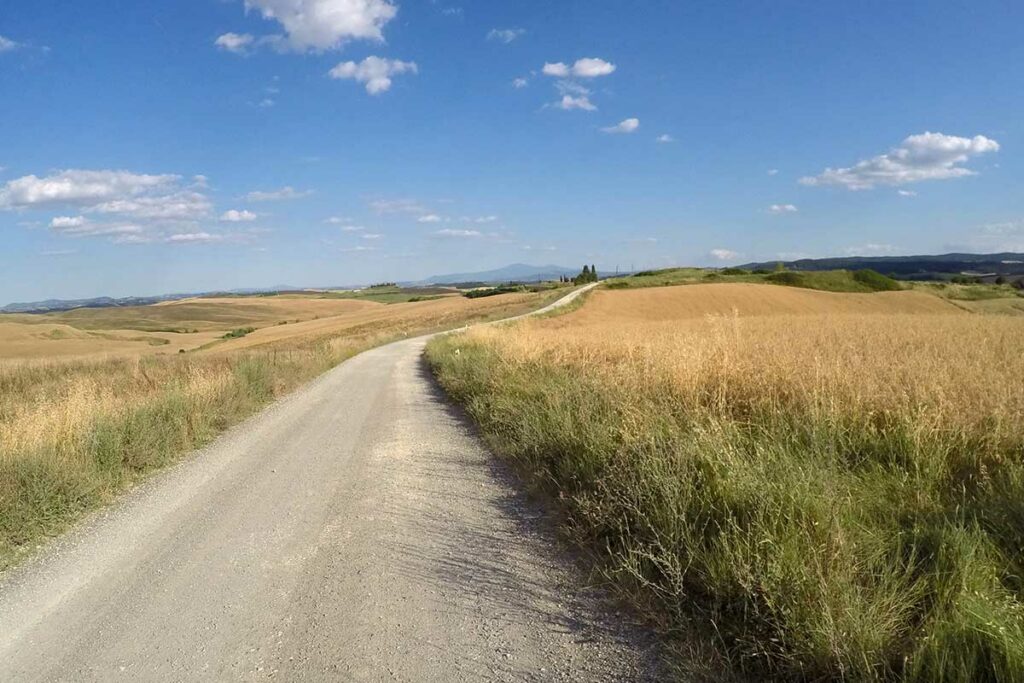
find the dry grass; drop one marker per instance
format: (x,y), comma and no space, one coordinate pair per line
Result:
(73,433)
(831,483)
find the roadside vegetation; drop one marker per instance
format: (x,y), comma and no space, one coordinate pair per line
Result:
(825,280)
(74,433)
(823,496)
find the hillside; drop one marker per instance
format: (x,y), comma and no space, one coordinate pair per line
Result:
(924,267)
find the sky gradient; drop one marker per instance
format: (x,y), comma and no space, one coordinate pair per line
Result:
(191,145)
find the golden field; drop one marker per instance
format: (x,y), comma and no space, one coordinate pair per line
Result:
(85,411)
(832,484)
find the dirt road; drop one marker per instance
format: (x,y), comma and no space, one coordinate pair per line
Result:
(356,530)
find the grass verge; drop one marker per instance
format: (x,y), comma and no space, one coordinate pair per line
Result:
(832,498)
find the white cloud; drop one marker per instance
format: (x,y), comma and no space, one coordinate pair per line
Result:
(773,171)
(588,67)
(326,24)
(624,126)
(559,69)
(266,102)
(360,247)
(454,232)
(352,228)
(906,193)
(238,216)
(429,218)
(337,220)
(723,254)
(194,238)
(520,83)
(782,208)
(485,219)
(375,72)
(6,44)
(591,67)
(68,222)
(238,43)
(927,156)
(568,103)
(79,187)
(505,35)
(286,192)
(665,138)
(132,195)
(183,205)
(371,236)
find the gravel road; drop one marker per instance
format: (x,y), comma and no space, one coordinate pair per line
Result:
(355,530)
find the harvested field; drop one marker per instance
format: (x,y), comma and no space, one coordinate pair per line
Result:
(746,300)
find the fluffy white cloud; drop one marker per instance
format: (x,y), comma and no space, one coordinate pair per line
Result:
(570,102)
(371,236)
(558,69)
(773,171)
(782,208)
(624,126)
(79,187)
(6,44)
(238,216)
(286,192)
(665,138)
(927,156)
(588,67)
(505,35)
(375,72)
(906,193)
(238,43)
(326,24)
(352,228)
(723,254)
(520,83)
(132,195)
(455,232)
(429,218)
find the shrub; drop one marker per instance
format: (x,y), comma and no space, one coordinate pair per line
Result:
(875,281)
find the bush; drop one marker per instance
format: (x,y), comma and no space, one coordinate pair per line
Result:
(875,281)
(239,332)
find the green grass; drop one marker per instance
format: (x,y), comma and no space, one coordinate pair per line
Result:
(805,548)
(392,294)
(827,280)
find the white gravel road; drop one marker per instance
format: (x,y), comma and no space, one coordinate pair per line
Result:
(356,530)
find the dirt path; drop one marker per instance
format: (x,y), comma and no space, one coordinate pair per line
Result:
(356,530)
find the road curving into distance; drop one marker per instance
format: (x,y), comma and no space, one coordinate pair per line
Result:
(355,530)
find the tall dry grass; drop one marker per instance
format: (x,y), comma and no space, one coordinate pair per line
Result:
(829,496)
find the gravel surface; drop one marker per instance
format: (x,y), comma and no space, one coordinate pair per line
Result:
(356,530)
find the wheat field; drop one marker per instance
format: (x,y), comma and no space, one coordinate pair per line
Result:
(831,484)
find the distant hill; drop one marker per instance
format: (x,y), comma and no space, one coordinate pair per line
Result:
(924,267)
(49,305)
(517,272)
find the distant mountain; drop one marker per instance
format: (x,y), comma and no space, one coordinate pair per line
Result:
(517,272)
(924,267)
(51,305)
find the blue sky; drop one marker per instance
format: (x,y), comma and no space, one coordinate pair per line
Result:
(187,145)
